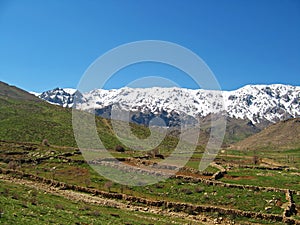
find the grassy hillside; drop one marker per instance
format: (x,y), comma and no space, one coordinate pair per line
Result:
(26,118)
(12,92)
(282,135)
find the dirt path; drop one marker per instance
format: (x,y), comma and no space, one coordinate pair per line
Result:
(96,200)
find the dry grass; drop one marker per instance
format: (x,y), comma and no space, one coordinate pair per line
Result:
(282,135)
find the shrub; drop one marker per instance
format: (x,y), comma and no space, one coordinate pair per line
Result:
(199,189)
(34,201)
(45,142)
(94,213)
(120,148)
(186,191)
(230,196)
(108,185)
(255,159)
(159,186)
(12,165)
(85,208)
(5,192)
(15,196)
(59,207)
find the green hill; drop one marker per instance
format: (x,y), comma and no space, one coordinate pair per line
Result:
(26,118)
(11,92)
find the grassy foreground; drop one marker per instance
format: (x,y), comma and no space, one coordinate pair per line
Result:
(23,205)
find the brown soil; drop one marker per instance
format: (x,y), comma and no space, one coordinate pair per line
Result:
(238,177)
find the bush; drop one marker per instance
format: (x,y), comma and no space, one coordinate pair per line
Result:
(12,165)
(15,196)
(108,185)
(186,191)
(45,142)
(255,159)
(120,148)
(59,207)
(230,196)
(199,189)
(159,186)
(95,213)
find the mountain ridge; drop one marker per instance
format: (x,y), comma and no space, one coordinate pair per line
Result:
(256,103)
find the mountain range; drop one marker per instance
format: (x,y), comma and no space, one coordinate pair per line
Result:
(256,103)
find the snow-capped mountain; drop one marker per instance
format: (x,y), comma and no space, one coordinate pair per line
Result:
(257,103)
(58,96)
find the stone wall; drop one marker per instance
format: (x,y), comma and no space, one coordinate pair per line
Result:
(172,206)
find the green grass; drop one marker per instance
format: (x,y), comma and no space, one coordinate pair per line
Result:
(198,193)
(23,205)
(172,189)
(177,190)
(264,178)
(285,157)
(34,121)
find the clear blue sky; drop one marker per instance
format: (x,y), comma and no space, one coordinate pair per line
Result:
(50,43)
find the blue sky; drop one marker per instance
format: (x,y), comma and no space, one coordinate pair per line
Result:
(48,44)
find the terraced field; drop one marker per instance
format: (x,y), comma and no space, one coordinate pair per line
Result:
(238,194)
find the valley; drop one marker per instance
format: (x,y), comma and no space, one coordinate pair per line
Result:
(44,177)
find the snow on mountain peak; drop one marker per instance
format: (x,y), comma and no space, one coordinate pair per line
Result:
(257,103)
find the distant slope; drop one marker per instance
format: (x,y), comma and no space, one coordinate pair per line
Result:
(24,117)
(12,92)
(282,135)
